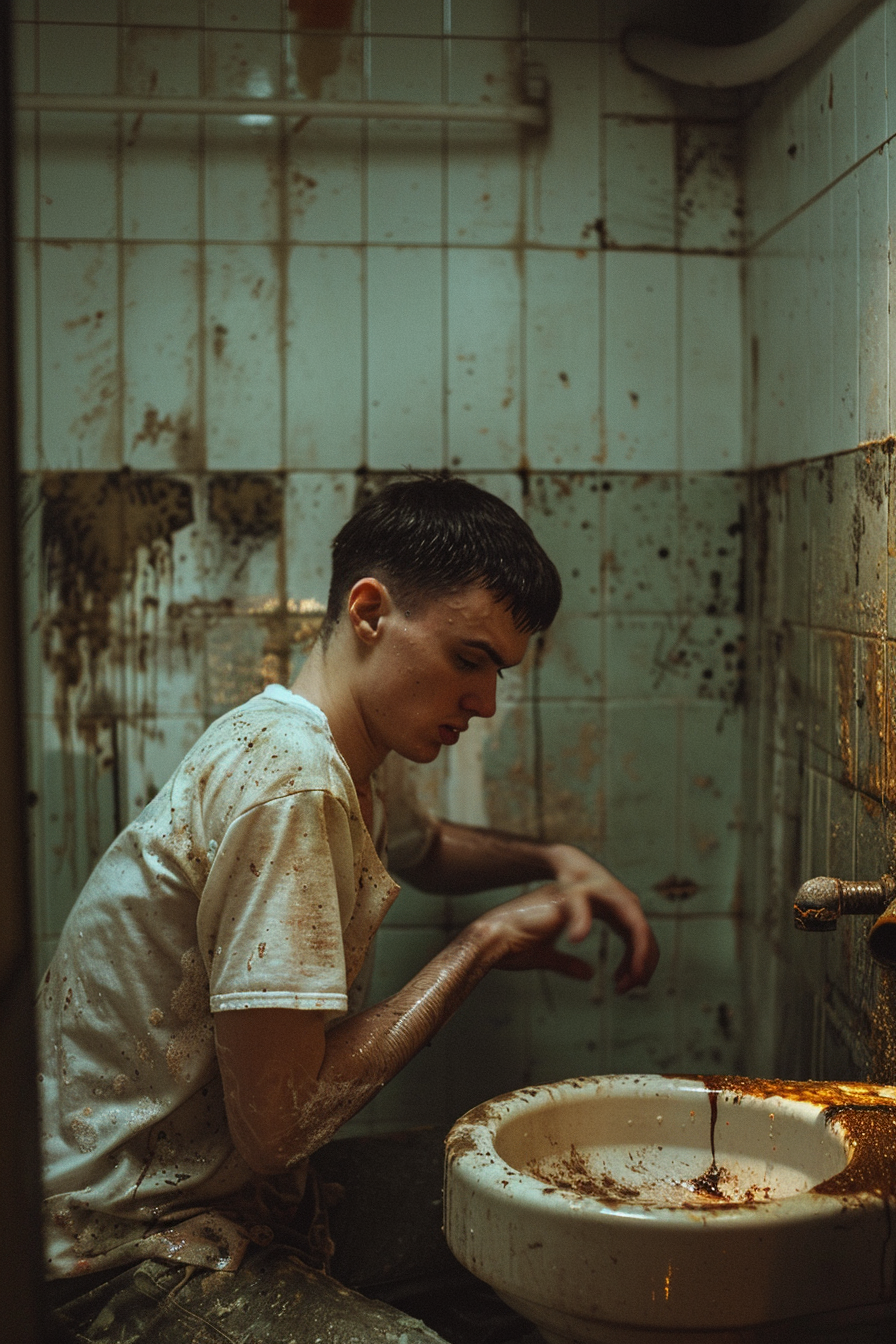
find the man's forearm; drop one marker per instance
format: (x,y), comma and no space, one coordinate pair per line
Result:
(464,859)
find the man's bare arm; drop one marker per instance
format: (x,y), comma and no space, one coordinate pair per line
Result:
(289,1086)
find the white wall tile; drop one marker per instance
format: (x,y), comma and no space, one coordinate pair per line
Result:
(818,129)
(712,402)
(164,61)
(629,92)
(641,354)
(873,316)
(563,166)
(484,374)
(819,326)
(78,175)
(317,505)
(842,98)
(404,344)
(423,17)
(25,150)
(871,80)
(563,360)
(890,69)
(324,358)
(485,18)
(152,749)
(244,14)
(160,178)
(243,378)
(640,177)
(404,182)
(484,166)
(242,65)
(242,178)
(844,298)
(162,427)
(27,355)
(79,357)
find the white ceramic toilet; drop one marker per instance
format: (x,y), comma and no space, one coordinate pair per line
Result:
(646,1208)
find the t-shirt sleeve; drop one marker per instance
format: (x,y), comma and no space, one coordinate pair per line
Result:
(280,891)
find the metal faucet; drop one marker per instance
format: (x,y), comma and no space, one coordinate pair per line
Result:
(821,901)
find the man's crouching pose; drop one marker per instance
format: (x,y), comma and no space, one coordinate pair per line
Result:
(202,1028)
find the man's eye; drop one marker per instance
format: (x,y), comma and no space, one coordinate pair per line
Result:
(466,663)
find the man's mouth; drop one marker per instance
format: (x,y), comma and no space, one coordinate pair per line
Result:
(449,734)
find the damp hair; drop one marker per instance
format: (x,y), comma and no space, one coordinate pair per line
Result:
(431,535)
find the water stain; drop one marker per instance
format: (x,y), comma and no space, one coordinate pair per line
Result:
(322,26)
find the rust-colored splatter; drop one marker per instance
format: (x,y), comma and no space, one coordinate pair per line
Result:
(186,441)
(94,525)
(246,504)
(846,699)
(322,25)
(674,888)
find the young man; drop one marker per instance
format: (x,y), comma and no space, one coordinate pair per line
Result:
(196,1047)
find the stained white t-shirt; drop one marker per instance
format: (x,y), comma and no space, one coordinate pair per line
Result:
(249,881)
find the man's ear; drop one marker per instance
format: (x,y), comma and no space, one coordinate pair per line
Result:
(368,602)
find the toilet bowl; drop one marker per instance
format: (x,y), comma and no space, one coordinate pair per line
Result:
(647,1208)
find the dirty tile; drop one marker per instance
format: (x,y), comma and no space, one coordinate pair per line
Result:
(162,427)
(563,360)
(643,1024)
(79,58)
(640,178)
(153,749)
(890,722)
(160,178)
(509,757)
(564,512)
(31,579)
(842,855)
(243,535)
(484,165)
(570,664)
(831,711)
(404,338)
(484,374)
(317,505)
(487,1040)
(712,421)
(698,657)
(78,356)
(641,358)
(325,415)
(563,167)
(24,58)
(712,522)
(710,1020)
(404,182)
(241,661)
(396,16)
(629,92)
(77,175)
(242,179)
(324,181)
(640,561)
(873,314)
(818,129)
(848,507)
(243,369)
(709,194)
(642,777)
(712,819)
(764,184)
(163,61)
(872,704)
(796,584)
(27,363)
(792,160)
(570,1020)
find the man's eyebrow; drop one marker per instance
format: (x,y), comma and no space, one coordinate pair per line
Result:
(492,652)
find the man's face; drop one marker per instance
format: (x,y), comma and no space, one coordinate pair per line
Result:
(436,669)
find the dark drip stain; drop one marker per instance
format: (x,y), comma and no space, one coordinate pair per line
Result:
(322,25)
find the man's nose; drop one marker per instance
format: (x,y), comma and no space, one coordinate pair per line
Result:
(482,702)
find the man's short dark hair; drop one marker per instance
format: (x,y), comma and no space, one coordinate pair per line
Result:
(431,535)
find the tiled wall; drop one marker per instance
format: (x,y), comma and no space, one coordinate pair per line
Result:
(821,777)
(229,329)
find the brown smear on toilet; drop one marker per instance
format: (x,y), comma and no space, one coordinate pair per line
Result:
(322,25)
(865,1118)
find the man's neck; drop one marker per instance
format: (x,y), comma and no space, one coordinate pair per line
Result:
(323,681)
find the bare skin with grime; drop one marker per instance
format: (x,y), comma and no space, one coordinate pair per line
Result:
(389,679)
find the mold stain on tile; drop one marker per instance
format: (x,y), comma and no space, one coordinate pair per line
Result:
(186,441)
(322,26)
